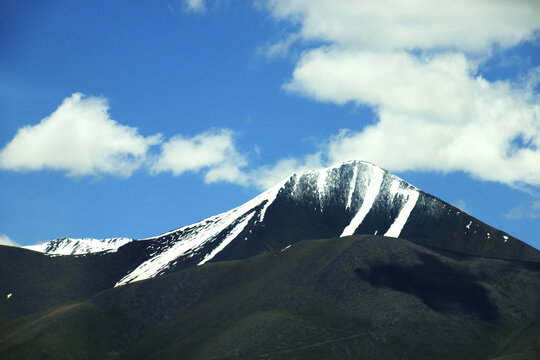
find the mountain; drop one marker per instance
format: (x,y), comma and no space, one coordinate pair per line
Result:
(329,264)
(351,198)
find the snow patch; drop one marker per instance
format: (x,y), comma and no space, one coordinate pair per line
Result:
(403,216)
(230,237)
(322,175)
(394,188)
(192,238)
(9,295)
(375,181)
(270,196)
(68,246)
(286,247)
(469,225)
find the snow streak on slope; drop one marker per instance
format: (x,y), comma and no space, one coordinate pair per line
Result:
(230,237)
(375,178)
(69,246)
(401,219)
(352,187)
(322,175)
(270,196)
(191,239)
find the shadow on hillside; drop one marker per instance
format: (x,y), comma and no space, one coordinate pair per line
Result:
(439,286)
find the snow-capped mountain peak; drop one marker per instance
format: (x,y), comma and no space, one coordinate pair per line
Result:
(208,238)
(355,197)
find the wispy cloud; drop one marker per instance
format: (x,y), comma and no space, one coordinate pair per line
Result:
(5,240)
(278,48)
(462,204)
(525,211)
(264,177)
(196,6)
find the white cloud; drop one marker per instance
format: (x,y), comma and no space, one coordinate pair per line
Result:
(81,139)
(434,111)
(5,240)
(425,24)
(395,80)
(212,152)
(196,6)
(415,62)
(78,137)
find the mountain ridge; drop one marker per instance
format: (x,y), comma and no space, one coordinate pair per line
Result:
(355,197)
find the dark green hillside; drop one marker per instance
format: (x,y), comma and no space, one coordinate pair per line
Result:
(38,282)
(361,297)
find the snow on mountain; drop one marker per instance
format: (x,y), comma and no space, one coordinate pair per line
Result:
(206,238)
(191,239)
(372,180)
(351,198)
(401,220)
(68,246)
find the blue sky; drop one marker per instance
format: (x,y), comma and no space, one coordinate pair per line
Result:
(133,118)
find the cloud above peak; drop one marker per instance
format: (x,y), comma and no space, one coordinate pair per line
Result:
(433,113)
(418,65)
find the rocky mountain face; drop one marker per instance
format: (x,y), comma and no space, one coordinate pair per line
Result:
(351,198)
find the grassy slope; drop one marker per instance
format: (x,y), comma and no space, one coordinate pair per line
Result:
(38,282)
(370,296)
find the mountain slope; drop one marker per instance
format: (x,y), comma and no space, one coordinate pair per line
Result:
(36,282)
(317,299)
(350,198)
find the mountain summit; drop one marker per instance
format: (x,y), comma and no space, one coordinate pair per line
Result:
(355,197)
